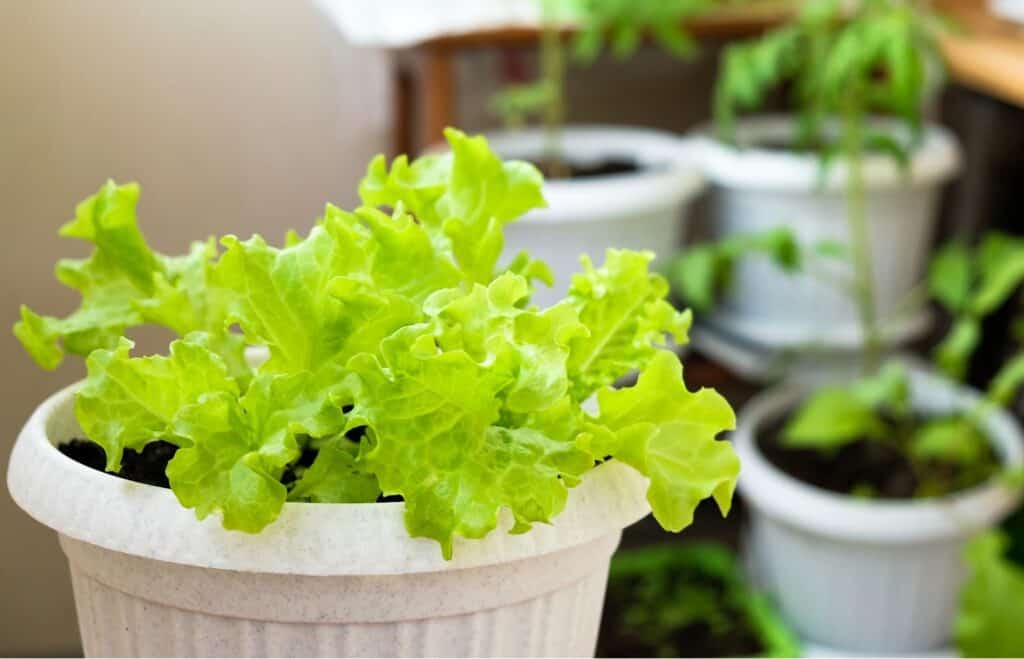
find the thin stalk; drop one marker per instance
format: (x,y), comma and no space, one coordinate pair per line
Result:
(553,73)
(857,221)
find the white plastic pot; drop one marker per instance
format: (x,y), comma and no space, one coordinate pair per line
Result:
(324,579)
(643,211)
(866,576)
(755,189)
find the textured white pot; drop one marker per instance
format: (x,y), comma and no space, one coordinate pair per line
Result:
(866,576)
(756,189)
(642,211)
(324,579)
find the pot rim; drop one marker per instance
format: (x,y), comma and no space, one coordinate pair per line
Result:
(672,175)
(821,512)
(936,160)
(307,539)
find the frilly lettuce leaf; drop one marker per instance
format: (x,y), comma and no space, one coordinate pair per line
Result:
(463,199)
(239,447)
(623,306)
(439,411)
(127,402)
(668,434)
(529,346)
(336,476)
(123,284)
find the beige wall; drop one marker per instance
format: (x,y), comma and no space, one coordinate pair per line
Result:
(234,116)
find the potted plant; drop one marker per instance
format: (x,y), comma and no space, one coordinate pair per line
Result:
(365,486)
(688,601)
(832,172)
(607,186)
(864,493)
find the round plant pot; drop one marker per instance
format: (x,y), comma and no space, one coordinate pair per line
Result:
(754,189)
(861,575)
(324,579)
(642,210)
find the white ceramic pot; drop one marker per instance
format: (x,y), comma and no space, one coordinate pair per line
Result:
(324,579)
(755,189)
(643,211)
(866,576)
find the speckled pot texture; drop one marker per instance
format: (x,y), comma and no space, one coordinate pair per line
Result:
(323,580)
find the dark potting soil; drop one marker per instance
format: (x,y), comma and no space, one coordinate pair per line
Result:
(868,468)
(620,638)
(145,466)
(149,465)
(612,166)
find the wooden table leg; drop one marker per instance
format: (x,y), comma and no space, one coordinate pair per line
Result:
(403,106)
(437,94)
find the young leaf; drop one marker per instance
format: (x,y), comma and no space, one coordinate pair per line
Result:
(462,200)
(954,440)
(623,306)
(697,273)
(1008,381)
(950,276)
(336,476)
(669,434)
(954,352)
(831,418)
(1001,264)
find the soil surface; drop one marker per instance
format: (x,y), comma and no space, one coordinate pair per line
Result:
(149,466)
(866,468)
(146,466)
(609,167)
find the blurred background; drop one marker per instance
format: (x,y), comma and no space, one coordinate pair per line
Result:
(246,116)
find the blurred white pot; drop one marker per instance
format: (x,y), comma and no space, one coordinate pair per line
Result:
(866,576)
(756,188)
(324,579)
(643,211)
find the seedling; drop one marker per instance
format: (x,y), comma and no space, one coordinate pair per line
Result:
(618,25)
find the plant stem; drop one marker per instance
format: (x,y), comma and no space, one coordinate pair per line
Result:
(553,74)
(860,242)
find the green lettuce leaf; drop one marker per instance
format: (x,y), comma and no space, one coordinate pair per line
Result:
(240,446)
(623,306)
(336,476)
(124,284)
(463,199)
(531,347)
(439,411)
(128,402)
(669,434)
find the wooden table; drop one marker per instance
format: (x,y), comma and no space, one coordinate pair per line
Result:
(424,81)
(989,55)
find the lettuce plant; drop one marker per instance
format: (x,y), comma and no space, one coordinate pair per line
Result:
(841,65)
(401,357)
